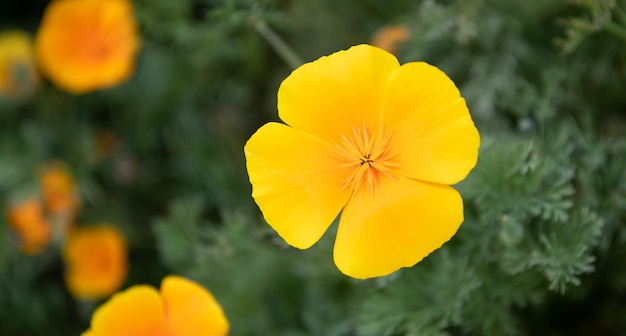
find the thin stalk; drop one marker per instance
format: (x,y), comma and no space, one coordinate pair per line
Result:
(616,30)
(280,46)
(621,14)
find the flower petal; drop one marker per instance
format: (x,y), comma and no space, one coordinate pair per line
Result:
(96,259)
(29,222)
(295,182)
(85,45)
(434,133)
(336,93)
(397,227)
(191,310)
(137,311)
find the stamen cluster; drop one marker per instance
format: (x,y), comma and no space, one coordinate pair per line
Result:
(369,156)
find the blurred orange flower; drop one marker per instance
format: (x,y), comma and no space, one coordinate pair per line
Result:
(86,45)
(59,189)
(18,73)
(182,307)
(390,38)
(28,221)
(96,261)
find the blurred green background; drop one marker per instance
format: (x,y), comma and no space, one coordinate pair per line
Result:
(542,250)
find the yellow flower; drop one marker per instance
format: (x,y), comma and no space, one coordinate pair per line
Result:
(85,45)
(59,190)
(96,261)
(182,308)
(376,141)
(18,74)
(390,38)
(28,221)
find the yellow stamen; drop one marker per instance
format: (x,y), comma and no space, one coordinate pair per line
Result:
(369,157)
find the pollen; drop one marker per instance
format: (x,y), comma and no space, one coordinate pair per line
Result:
(368,157)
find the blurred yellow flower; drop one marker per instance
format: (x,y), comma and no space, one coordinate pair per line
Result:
(59,190)
(18,73)
(86,45)
(376,141)
(182,307)
(28,220)
(96,261)
(390,38)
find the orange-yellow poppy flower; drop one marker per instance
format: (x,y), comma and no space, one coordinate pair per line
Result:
(182,307)
(18,74)
(86,45)
(28,220)
(96,261)
(376,141)
(390,38)
(59,189)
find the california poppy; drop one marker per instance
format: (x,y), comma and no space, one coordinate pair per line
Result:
(379,142)
(182,307)
(96,261)
(85,45)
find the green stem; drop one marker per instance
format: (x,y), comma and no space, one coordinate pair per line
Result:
(279,45)
(616,30)
(621,14)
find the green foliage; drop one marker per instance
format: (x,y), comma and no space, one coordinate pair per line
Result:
(265,286)
(543,244)
(528,196)
(440,288)
(600,15)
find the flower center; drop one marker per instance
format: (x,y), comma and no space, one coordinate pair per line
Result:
(368,157)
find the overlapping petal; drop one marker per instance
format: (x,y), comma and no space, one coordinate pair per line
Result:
(397,227)
(295,182)
(335,93)
(138,311)
(434,135)
(191,309)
